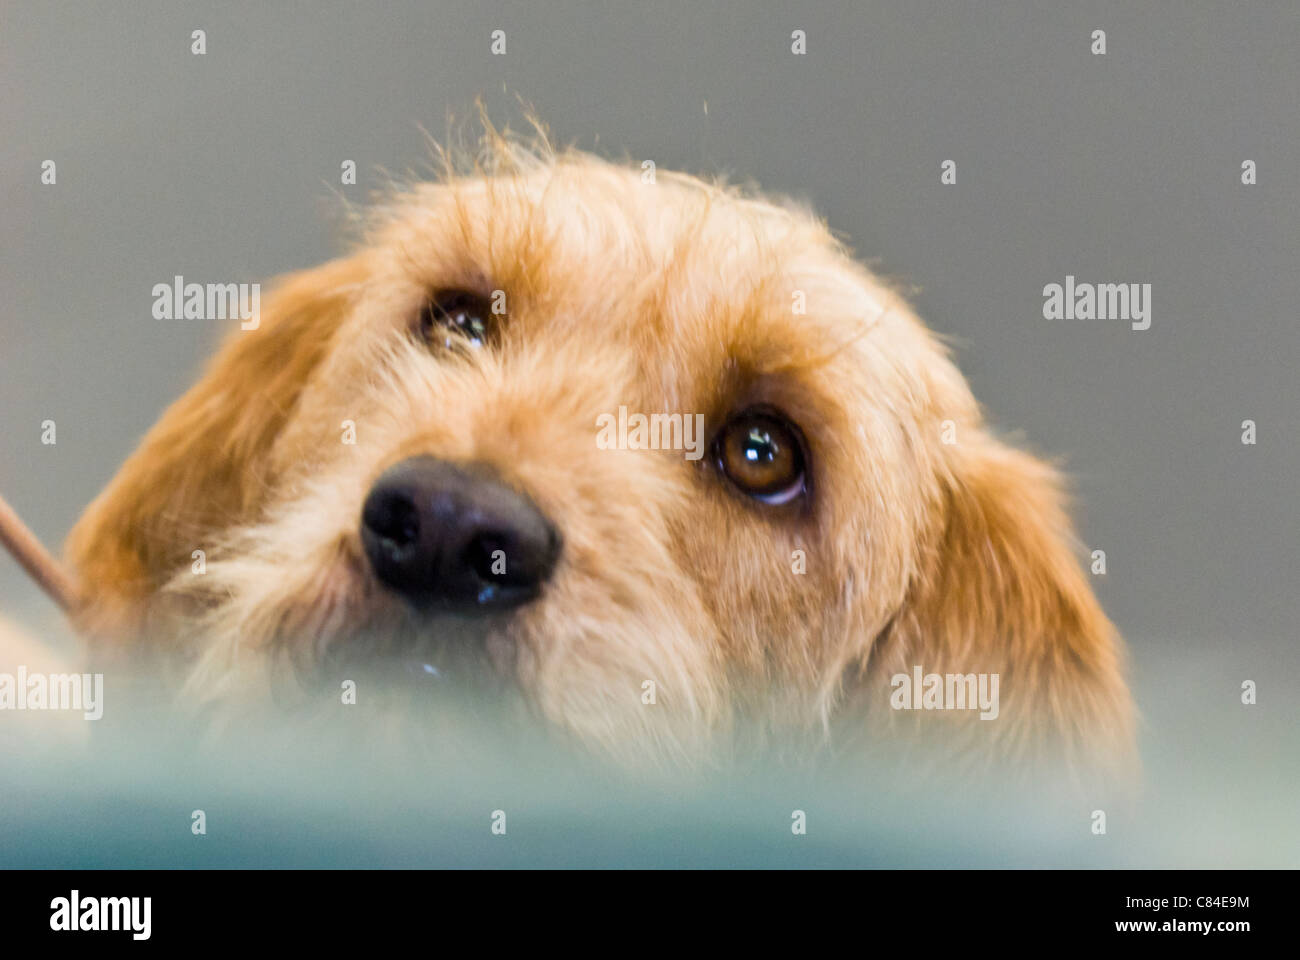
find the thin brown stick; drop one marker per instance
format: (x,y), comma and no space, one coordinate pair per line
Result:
(34,558)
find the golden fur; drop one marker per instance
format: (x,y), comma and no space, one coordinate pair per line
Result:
(667,296)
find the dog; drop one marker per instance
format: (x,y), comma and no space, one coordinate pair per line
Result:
(400,462)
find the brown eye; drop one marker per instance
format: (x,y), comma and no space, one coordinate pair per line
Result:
(456,318)
(762,454)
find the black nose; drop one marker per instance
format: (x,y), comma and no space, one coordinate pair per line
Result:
(453,536)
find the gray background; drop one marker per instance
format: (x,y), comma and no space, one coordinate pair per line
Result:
(1122,168)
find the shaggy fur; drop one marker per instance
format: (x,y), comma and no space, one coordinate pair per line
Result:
(674,296)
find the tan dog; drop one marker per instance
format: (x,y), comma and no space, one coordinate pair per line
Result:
(404,455)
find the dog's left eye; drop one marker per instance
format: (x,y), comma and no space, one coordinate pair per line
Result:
(762,454)
(455,318)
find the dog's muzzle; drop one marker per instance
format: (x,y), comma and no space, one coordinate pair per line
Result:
(454,537)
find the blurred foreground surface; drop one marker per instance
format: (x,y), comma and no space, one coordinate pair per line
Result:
(1219,790)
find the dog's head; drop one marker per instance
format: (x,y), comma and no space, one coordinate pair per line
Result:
(657,451)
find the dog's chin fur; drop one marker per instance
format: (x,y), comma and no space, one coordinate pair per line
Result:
(673,296)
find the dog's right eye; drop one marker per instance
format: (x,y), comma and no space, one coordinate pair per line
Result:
(762,454)
(455,318)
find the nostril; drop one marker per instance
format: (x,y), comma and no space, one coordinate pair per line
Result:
(393,516)
(488,555)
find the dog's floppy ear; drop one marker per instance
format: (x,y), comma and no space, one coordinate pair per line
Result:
(199,469)
(1000,590)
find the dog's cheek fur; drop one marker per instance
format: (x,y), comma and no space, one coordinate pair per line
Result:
(800,593)
(205,466)
(277,597)
(621,652)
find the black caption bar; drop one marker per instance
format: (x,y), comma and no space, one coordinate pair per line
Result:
(330,908)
